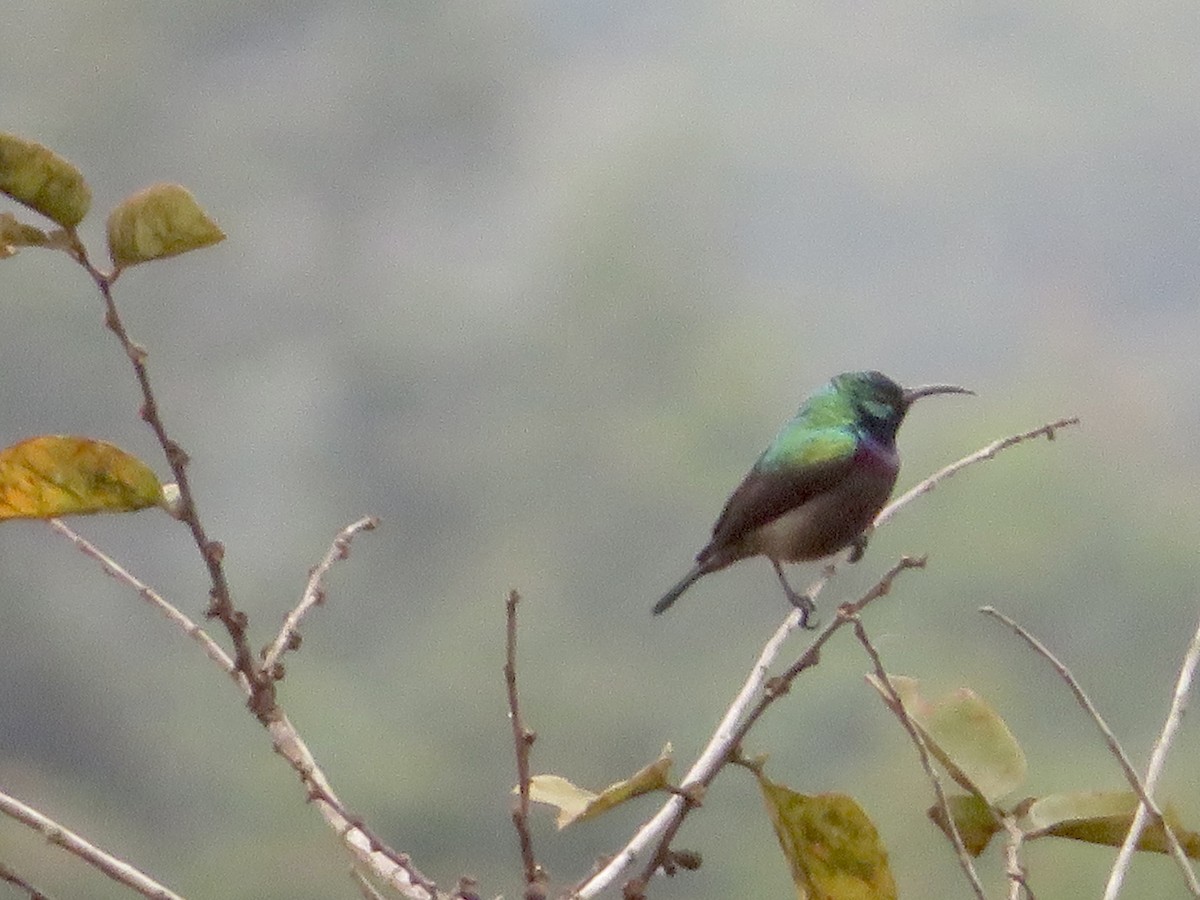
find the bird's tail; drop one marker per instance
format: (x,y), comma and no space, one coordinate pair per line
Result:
(673,594)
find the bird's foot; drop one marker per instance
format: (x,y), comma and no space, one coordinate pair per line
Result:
(807,607)
(858,547)
(802,602)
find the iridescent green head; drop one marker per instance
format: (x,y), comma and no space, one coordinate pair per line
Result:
(878,404)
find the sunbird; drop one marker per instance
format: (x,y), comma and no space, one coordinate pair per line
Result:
(819,485)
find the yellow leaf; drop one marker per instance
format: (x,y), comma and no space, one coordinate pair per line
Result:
(1103,817)
(972,817)
(576,804)
(650,778)
(54,475)
(43,181)
(966,736)
(159,221)
(831,845)
(555,790)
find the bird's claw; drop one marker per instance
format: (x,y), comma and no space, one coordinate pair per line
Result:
(807,607)
(858,547)
(802,602)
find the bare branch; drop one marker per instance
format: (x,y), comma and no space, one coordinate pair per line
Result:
(389,865)
(221,605)
(114,868)
(115,570)
(1110,739)
(1158,759)
(897,707)
(314,594)
(368,890)
(8,876)
(1049,431)
(257,682)
(1018,883)
(523,738)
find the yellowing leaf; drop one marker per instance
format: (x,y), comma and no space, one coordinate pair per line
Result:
(14,234)
(973,818)
(1103,817)
(576,804)
(650,778)
(831,845)
(53,475)
(43,181)
(966,736)
(159,221)
(555,790)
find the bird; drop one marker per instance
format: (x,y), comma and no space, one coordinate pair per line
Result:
(818,486)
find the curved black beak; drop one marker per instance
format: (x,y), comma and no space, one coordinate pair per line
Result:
(911,395)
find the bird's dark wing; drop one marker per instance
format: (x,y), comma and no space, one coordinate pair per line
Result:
(769,491)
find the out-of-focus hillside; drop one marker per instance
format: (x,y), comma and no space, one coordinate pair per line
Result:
(535,282)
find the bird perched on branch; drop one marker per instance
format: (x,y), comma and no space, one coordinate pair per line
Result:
(819,485)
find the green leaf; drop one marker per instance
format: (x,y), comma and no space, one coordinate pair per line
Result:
(160,221)
(830,844)
(42,180)
(1103,817)
(576,804)
(966,736)
(973,818)
(56,475)
(14,234)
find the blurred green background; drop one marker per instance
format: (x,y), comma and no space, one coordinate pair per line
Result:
(535,282)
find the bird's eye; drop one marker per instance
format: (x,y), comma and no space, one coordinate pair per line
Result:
(876,410)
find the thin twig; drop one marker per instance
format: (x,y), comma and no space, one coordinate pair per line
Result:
(257,682)
(849,611)
(368,890)
(1131,776)
(523,739)
(116,869)
(8,876)
(1158,759)
(221,605)
(114,569)
(389,865)
(1018,882)
(896,705)
(314,594)
(651,843)
(1049,431)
